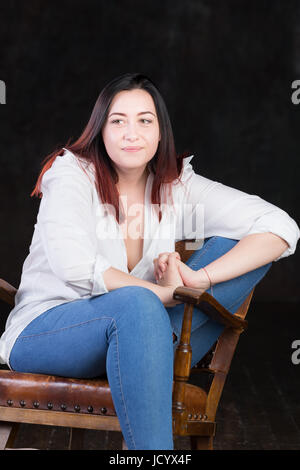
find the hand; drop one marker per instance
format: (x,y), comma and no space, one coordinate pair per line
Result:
(170,279)
(194,279)
(190,278)
(161,263)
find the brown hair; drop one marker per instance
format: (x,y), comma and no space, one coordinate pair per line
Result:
(165,164)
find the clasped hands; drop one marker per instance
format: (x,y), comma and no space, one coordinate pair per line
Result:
(171,272)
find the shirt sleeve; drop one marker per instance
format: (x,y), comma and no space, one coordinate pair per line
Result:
(231,213)
(67,227)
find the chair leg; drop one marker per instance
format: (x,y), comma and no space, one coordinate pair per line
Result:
(76,440)
(124,446)
(201,442)
(8,433)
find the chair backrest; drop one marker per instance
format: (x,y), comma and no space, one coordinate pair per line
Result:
(7,292)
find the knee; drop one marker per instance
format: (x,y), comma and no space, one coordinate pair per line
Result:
(146,301)
(141,296)
(145,308)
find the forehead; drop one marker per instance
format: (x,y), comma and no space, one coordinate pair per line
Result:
(134,101)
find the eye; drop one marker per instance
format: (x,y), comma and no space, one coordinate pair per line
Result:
(116,121)
(143,120)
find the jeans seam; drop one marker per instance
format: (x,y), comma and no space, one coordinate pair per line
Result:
(241,297)
(121,387)
(201,252)
(61,329)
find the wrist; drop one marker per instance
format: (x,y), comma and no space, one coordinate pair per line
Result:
(165,293)
(203,279)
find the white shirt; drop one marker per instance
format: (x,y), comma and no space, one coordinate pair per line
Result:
(75,240)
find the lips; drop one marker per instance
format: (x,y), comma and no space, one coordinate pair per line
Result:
(128,149)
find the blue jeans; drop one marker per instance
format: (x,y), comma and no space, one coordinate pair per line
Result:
(127,334)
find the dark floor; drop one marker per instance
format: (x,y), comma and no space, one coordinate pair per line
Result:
(260,406)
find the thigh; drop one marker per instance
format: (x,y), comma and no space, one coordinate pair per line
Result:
(67,340)
(72,339)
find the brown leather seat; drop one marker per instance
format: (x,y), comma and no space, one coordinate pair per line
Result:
(49,392)
(90,396)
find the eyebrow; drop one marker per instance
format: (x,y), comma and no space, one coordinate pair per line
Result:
(143,112)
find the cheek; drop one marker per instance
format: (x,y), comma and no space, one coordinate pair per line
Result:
(109,139)
(154,140)
(153,136)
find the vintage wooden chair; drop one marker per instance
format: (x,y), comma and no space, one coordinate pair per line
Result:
(87,404)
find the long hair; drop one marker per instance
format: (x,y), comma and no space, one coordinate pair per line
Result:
(165,164)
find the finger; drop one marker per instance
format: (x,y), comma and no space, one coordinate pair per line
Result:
(172,259)
(162,266)
(155,268)
(164,256)
(163,259)
(161,263)
(157,271)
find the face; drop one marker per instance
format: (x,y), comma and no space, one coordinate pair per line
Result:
(131,132)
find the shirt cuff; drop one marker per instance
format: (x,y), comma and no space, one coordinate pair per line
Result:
(284,226)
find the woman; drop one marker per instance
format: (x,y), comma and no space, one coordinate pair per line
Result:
(96,293)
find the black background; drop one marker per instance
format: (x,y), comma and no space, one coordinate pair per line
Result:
(225,70)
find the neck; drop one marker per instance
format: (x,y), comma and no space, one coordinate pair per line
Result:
(132,181)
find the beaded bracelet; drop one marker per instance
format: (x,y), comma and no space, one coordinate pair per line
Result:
(211,289)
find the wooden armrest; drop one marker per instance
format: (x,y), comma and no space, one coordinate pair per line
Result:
(7,292)
(210,306)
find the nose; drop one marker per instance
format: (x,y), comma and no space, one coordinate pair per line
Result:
(130,132)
